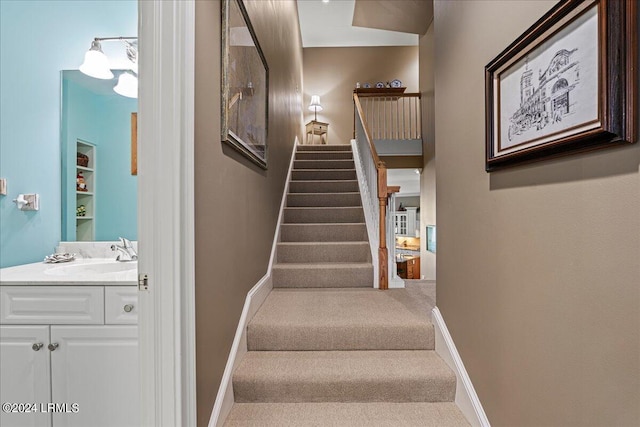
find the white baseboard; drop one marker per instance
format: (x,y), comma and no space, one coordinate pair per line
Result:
(255,298)
(224,399)
(466,397)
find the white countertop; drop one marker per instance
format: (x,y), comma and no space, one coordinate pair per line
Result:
(91,271)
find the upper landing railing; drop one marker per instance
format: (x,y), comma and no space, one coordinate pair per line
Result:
(391,116)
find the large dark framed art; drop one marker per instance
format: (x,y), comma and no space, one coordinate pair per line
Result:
(245,85)
(567,85)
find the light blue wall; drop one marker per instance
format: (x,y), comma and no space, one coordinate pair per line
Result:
(104,121)
(117,209)
(38,39)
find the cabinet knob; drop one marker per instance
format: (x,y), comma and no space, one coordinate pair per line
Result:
(37,346)
(128,308)
(53,346)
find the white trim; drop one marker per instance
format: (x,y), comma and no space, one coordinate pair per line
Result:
(466,397)
(224,399)
(276,237)
(255,298)
(166,212)
(368,215)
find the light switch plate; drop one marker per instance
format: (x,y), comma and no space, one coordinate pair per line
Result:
(34,202)
(3,186)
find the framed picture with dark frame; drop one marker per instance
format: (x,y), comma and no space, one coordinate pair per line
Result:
(567,85)
(245,85)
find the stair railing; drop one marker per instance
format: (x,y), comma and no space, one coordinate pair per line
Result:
(392,117)
(372,176)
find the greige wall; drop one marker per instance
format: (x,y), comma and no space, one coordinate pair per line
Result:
(538,266)
(237,203)
(428,177)
(332,73)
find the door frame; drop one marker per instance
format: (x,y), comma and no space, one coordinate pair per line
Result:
(166,212)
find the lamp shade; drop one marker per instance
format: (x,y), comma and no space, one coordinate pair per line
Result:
(96,63)
(315,103)
(127,85)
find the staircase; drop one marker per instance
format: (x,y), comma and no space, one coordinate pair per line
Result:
(325,348)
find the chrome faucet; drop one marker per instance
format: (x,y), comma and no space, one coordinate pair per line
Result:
(125,250)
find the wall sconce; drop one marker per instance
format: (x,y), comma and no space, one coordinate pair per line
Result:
(127,85)
(315,106)
(96,65)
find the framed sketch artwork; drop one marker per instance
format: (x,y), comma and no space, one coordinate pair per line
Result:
(568,84)
(245,85)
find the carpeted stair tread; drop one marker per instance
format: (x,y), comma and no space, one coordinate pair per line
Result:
(343,376)
(325,147)
(322,252)
(323,200)
(323,275)
(324,155)
(324,186)
(354,319)
(335,414)
(317,214)
(323,174)
(323,164)
(323,232)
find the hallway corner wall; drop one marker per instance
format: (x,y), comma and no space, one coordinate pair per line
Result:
(428,176)
(237,203)
(537,265)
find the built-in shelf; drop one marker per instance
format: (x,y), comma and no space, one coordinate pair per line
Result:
(85,228)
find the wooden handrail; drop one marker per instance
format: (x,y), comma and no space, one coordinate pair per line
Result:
(381,168)
(367,132)
(389,95)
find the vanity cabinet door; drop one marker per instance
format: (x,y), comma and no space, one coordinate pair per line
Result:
(25,373)
(97,368)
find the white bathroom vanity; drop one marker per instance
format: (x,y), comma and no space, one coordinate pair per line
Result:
(69,344)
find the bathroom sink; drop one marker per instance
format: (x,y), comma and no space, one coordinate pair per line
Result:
(92,268)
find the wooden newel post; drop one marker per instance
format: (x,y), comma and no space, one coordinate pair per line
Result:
(383,253)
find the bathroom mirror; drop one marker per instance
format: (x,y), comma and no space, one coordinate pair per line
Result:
(99,193)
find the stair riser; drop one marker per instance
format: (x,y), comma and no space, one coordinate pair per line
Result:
(313,253)
(372,414)
(323,233)
(324,155)
(323,186)
(310,215)
(334,390)
(357,337)
(324,175)
(310,277)
(324,200)
(340,147)
(323,164)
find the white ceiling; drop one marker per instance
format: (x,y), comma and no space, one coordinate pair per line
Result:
(329,25)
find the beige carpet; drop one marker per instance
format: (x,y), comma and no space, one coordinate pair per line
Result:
(325,348)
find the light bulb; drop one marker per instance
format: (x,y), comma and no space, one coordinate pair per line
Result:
(127,85)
